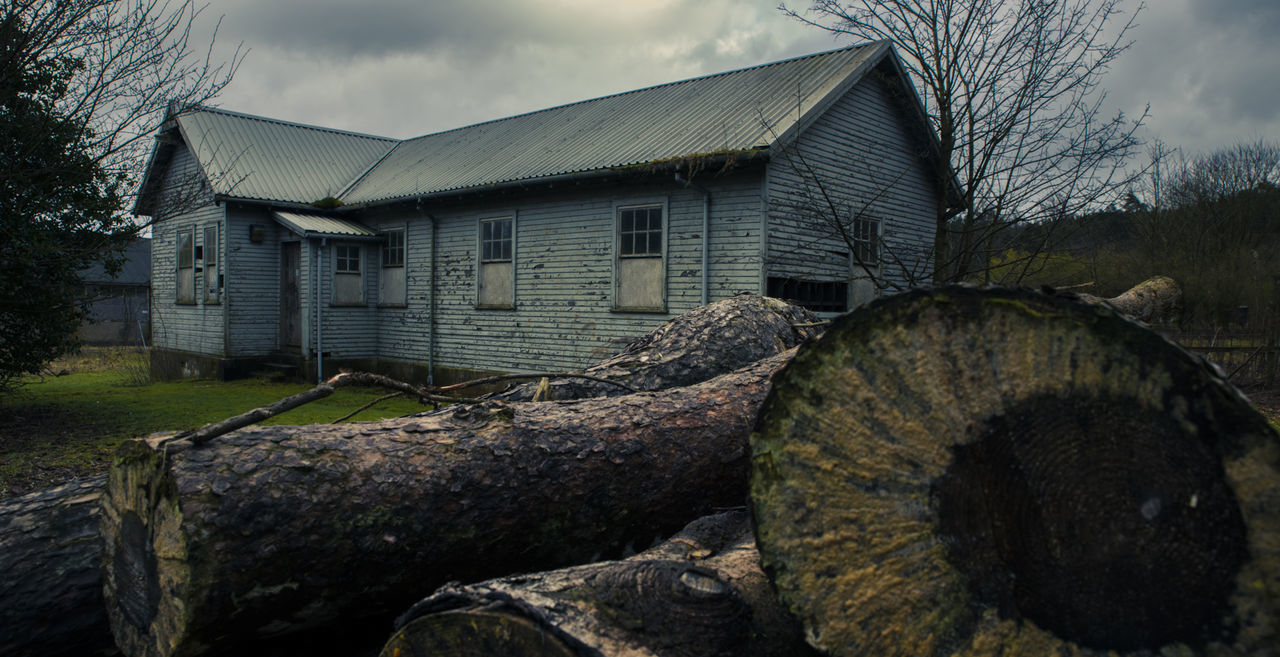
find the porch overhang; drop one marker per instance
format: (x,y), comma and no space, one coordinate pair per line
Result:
(322,226)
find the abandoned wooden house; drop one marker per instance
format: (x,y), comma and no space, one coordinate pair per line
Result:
(543,241)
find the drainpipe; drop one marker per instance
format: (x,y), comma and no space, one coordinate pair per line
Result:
(706,235)
(319,318)
(431,321)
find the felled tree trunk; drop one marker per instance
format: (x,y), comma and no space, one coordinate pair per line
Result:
(1155,298)
(50,591)
(698,345)
(276,529)
(699,594)
(996,472)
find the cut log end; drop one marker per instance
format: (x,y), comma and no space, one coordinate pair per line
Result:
(143,552)
(982,472)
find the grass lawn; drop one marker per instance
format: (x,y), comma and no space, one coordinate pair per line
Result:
(57,427)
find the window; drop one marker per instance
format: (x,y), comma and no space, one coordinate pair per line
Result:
(495,284)
(348,281)
(391,282)
(186,257)
(866,241)
(641,280)
(818,296)
(212,272)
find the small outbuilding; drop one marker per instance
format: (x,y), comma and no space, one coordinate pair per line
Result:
(119,307)
(543,241)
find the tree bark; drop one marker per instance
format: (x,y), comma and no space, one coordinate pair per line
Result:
(271,530)
(50,591)
(983,472)
(701,593)
(698,345)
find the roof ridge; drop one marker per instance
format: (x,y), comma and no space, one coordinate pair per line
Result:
(292,124)
(648,88)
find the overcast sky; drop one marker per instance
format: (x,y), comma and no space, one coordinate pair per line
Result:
(1210,69)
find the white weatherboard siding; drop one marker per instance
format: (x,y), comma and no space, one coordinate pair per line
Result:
(865,157)
(197,327)
(564,261)
(253,283)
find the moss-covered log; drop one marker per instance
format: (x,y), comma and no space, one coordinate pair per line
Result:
(996,472)
(271,530)
(700,344)
(699,594)
(50,592)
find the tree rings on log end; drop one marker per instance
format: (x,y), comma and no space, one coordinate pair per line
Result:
(975,472)
(144,573)
(474,634)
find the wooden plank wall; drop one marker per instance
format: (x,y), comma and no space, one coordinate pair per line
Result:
(865,159)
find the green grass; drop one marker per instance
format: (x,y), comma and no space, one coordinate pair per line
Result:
(58,427)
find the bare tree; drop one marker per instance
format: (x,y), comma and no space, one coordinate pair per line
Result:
(1012,90)
(83,85)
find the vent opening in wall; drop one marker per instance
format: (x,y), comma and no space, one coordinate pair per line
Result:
(818,296)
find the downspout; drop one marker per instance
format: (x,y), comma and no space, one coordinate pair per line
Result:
(319,318)
(706,235)
(431,321)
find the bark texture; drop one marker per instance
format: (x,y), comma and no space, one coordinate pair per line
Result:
(1155,298)
(699,594)
(50,591)
(1000,472)
(698,345)
(271,530)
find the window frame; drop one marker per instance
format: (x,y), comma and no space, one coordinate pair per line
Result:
(212,264)
(189,232)
(337,269)
(866,241)
(393,263)
(624,260)
(505,256)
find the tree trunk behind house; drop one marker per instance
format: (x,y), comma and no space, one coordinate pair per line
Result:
(698,345)
(699,594)
(271,530)
(997,472)
(50,590)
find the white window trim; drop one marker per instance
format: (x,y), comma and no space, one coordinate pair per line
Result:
(616,222)
(334,274)
(403,301)
(515,251)
(178,268)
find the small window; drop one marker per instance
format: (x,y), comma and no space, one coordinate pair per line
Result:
(640,268)
(212,277)
(495,282)
(640,231)
(866,241)
(495,240)
(818,296)
(186,269)
(348,279)
(393,250)
(391,282)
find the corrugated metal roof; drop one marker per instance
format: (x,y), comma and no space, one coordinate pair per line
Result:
(315,225)
(734,111)
(250,157)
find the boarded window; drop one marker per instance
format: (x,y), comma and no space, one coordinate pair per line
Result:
(391,282)
(640,266)
(818,296)
(866,241)
(348,281)
(495,283)
(186,270)
(212,266)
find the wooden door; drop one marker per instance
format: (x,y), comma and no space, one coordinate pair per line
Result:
(291,294)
